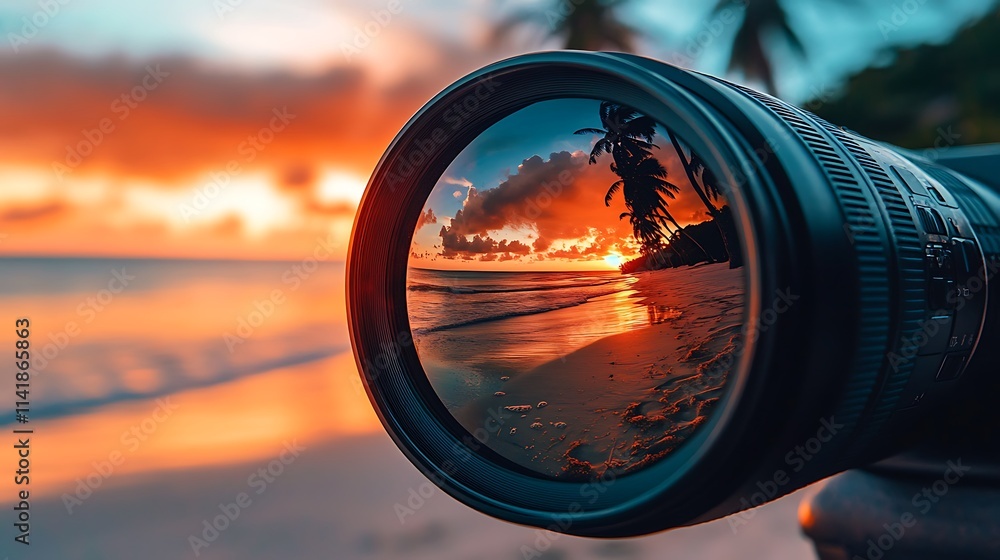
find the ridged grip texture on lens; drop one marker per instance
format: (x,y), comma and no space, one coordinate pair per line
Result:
(911,298)
(890,275)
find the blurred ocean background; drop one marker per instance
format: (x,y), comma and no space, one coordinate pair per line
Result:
(165,331)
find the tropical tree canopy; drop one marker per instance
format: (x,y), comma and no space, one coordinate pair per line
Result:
(931,94)
(588,25)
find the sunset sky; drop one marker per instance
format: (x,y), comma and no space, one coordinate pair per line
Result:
(523,195)
(151,131)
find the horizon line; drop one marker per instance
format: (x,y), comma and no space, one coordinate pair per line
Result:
(510,271)
(153,258)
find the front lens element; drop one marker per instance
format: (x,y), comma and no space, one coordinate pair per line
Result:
(575,289)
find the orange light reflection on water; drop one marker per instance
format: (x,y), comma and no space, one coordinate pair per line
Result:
(223,424)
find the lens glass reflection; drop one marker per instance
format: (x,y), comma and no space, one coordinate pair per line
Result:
(575,289)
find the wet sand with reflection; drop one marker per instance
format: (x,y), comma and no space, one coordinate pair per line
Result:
(626,400)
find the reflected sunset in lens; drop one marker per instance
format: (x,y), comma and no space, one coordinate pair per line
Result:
(575,287)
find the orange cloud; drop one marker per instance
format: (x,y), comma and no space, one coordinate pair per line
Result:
(20,215)
(426,217)
(97,136)
(111,116)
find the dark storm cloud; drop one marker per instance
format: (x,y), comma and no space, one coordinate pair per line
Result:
(453,245)
(522,197)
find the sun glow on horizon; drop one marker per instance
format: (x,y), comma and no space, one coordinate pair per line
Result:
(341,186)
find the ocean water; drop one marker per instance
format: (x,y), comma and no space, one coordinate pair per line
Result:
(471,328)
(443,299)
(109,330)
(180,324)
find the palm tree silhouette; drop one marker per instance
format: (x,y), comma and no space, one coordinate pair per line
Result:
(589,25)
(748,53)
(645,188)
(595,25)
(645,230)
(707,189)
(760,19)
(708,179)
(627,133)
(628,136)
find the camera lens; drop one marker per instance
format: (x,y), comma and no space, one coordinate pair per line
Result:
(606,296)
(522,317)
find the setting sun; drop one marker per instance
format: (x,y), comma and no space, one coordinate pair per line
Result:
(614,260)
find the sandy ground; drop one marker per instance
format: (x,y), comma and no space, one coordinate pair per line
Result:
(626,400)
(338,500)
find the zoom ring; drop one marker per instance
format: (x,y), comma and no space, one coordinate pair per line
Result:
(885,241)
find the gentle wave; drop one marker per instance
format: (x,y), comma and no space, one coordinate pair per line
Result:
(418,287)
(76,404)
(106,364)
(517,313)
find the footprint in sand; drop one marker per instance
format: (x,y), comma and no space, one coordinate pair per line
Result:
(518,408)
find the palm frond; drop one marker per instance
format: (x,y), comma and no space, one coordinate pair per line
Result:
(591,25)
(615,187)
(601,147)
(760,18)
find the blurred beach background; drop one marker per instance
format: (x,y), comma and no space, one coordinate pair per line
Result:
(177,187)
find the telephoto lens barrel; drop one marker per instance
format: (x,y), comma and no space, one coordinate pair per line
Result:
(607,296)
